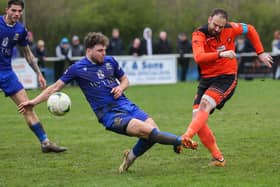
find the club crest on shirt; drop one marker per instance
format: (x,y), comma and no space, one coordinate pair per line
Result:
(221,48)
(16,36)
(108,66)
(5,42)
(100,74)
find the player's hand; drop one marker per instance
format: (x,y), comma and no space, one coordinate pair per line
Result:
(42,81)
(24,106)
(117,91)
(266,59)
(228,54)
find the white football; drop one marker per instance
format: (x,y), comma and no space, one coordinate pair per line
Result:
(59,103)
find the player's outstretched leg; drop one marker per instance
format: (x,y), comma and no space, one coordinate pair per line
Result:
(171,139)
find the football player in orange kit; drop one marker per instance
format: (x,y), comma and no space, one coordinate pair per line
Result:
(214,52)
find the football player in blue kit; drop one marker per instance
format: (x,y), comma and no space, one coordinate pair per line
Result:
(13,33)
(103,82)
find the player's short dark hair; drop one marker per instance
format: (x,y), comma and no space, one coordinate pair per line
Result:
(221,12)
(16,2)
(94,38)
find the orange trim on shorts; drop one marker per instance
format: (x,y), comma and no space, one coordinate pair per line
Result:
(217,95)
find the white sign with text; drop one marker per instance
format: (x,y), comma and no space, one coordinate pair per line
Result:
(25,73)
(157,69)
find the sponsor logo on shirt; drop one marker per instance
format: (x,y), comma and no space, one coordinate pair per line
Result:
(100,74)
(108,66)
(16,37)
(221,48)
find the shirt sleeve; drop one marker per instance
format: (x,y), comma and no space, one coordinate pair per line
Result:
(23,40)
(199,53)
(250,32)
(69,74)
(118,71)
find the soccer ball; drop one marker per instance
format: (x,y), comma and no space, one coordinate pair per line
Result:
(59,103)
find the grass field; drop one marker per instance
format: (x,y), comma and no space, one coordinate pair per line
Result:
(247,131)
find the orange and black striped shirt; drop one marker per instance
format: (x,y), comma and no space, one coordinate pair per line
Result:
(206,48)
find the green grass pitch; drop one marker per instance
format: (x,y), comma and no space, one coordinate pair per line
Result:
(247,131)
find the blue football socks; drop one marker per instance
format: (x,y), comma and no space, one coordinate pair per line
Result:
(142,146)
(164,138)
(39,132)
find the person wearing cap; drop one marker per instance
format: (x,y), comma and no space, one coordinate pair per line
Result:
(64,53)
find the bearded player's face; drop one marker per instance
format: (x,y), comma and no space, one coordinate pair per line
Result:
(216,24)
(97,53)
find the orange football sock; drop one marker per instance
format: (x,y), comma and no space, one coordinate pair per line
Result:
(209,141)
(196,124)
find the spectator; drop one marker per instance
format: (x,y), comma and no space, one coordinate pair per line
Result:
(163,46)
(40,53)
(276,42)
(243,45)
(76,47)
(115,46)
(64,53)
(135,47)
(183,46)
(276,50)
(63,50)
(146,47)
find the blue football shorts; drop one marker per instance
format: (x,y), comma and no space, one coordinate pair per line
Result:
(117,118)
(9,83)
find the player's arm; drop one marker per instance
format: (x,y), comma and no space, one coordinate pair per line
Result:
(118,90)
(43,96)
(32,61)
(255,40)
(199,53)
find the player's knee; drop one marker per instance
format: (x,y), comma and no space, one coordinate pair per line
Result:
(205,105)
(146,130)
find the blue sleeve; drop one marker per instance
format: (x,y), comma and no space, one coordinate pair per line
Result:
(69,74)
(23,41)
(118,71)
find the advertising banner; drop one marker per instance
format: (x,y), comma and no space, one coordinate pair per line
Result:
(156,69)
(25,73)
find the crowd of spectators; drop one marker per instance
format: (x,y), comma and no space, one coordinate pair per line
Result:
(145,45)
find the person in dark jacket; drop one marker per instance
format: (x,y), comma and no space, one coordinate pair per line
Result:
(163,46)
(40,53)
(184,46)
(135,47)
(115,46)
